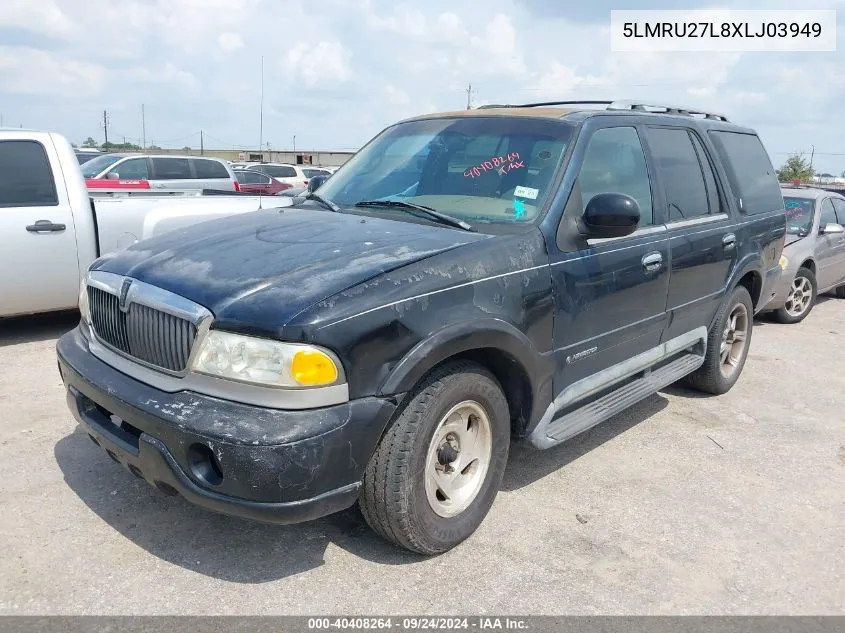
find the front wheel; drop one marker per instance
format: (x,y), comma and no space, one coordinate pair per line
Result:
(801,298)
(727,345)
(437,470)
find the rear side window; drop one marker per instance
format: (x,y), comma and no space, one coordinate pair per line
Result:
(171,169)
(26,179)
(210,169)
(752,177)
(277,171)
(681,173)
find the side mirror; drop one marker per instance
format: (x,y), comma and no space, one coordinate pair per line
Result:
(831,228)
(113,175)
(611,215)
(315,182)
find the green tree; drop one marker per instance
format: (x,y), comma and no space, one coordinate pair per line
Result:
(120,147)
(796,167)
(90,142)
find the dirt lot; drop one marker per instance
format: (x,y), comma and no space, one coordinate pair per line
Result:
(682,505)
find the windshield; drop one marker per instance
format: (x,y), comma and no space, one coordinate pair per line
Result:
(478,169)
(95,166)
(310,173)
(799,215)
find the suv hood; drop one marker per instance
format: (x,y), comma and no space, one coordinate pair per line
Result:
(256,271)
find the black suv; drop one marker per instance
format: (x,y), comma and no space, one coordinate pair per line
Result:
(468,279)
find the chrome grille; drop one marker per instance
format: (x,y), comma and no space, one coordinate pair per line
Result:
(145,333)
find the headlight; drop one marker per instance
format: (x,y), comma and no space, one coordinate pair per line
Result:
(84,310)
(264,361)
(783,263)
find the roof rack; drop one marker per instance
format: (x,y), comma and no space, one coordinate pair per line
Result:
(542,104)
(620,105)
(664,109)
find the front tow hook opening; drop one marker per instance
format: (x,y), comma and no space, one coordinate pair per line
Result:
(204,465)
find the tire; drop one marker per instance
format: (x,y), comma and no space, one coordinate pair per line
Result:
(712,377)
(801,299)
(396,493)
(840,292)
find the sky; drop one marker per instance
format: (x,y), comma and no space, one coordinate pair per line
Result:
(336,72)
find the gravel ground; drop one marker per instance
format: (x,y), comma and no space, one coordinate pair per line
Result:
(682,505)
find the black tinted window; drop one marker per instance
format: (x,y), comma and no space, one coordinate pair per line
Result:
(210,169)
(681,173)
(132,169)
(278,171)
(753,179)
(26,179)
(828,214)
(251,177)
(614,163)
(171,168)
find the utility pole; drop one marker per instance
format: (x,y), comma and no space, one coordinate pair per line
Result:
(469,96)
(294,145)
(1,119)
(143,129)
(261,116)
(202,146)
(812,151)
(106,126)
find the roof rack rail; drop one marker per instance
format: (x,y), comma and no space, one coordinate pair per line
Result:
(664,109)
(636,106)
(542,104)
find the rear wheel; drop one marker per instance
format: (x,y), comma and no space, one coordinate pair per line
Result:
(438,467)
(727,345)
(840,292)
(801,298)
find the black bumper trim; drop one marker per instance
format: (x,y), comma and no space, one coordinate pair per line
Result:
(150,459)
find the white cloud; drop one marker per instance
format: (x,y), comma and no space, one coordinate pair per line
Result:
(396,96)
(338,71)
(230,42)
(323,63)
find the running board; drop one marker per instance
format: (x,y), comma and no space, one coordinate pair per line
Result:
(595,411)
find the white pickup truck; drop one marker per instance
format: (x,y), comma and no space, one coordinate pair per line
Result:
(52,230)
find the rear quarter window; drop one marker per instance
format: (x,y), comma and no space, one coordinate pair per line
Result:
(750,171)
(26,179)
(210,169)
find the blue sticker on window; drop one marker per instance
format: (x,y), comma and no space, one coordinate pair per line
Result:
(793,204)
(518,208)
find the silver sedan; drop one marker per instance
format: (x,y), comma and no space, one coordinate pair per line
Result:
(813,259)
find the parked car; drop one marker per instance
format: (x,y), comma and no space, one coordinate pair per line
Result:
(467,280)
(814,254)
(52,230)
(83,155)
(310,172)
(164,171)
(292,175)
(252,181)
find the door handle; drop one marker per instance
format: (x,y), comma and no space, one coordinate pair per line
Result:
(45,226)
(729,241)
(652,262)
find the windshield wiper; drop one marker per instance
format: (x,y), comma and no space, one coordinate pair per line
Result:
(401,204)
(331,206)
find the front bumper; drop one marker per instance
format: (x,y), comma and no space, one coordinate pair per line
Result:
(264,464)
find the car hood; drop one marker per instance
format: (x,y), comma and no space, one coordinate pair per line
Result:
(258,270)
